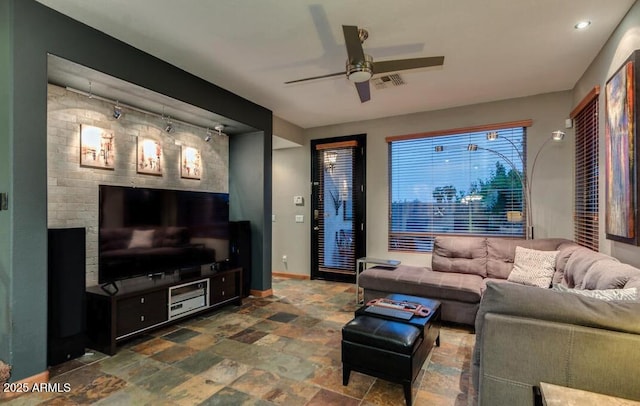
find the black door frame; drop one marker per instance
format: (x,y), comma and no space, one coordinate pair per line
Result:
(359,210)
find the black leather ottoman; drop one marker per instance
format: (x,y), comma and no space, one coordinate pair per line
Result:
(386,349)
(393,350)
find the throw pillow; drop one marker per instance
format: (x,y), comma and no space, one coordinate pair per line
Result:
(609,295)
(533,267)
(141,239)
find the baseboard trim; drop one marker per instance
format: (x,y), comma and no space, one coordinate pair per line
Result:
(42,377)
(291,275)
(261,293)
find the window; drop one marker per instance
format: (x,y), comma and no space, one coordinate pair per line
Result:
(585,219)
(459,182)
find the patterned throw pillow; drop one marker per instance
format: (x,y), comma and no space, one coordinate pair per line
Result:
(609,295)
(533,267)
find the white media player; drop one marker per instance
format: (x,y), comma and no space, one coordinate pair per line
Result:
(188,298)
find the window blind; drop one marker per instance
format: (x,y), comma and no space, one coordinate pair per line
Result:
(459,184)
(586,222)
(336,228)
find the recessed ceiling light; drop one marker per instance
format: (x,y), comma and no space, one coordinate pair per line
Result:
(582,25)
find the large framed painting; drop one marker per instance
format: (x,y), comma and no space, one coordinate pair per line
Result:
(149,159)
(621,153)
(191,166)
(96,147)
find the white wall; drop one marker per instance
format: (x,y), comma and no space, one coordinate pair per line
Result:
(624,40)
(552,189)
(72,192)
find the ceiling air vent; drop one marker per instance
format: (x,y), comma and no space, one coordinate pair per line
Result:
(386,81)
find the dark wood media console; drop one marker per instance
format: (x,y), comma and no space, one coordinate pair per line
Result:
(144,303)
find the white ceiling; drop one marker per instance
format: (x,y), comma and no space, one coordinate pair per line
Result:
(494,49)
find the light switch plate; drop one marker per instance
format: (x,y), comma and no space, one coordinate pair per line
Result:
(298,200)
(299,218)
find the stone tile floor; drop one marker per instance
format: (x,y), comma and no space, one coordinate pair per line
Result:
(280,350)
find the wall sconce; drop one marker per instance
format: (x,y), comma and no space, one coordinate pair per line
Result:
(330,159)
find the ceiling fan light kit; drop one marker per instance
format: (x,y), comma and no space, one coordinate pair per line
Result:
(360,66)
(360,71)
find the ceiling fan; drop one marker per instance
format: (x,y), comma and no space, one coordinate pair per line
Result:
(360,66)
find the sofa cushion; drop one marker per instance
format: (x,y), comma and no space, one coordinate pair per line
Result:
(634,282)
(533,267)
(582,261)
(467,255)
(565,251)
(423,282)
(608,275)
(501,251)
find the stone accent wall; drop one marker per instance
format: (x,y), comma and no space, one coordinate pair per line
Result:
(72,191)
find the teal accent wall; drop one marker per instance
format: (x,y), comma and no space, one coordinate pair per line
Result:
(6,81)
(30,31)
(249,171)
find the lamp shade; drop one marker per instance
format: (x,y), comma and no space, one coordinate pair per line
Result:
(557,135)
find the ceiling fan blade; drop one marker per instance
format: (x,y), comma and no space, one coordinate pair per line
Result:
(404,64)
(316,77)
(363,91)
(352,41)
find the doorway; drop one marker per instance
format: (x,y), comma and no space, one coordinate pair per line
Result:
(337,207)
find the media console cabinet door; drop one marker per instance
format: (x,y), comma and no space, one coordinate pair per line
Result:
(224,287)
(142,311)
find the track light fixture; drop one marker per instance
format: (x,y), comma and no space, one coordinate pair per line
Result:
(169,127)
(117,111)
(170,123)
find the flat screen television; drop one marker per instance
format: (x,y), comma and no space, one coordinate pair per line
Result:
(145,231)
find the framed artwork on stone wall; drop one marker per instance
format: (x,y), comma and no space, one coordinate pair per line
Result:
(190,163)
(96,147)
(149,158)
(621,153)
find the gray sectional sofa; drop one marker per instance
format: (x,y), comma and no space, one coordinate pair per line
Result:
(524,334)
(459,271)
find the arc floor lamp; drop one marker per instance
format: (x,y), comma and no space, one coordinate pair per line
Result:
(526,181)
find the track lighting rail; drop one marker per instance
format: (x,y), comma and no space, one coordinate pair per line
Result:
(170,121)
